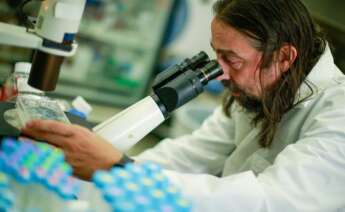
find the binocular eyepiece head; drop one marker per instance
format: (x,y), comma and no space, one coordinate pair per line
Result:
(207,69)
(184,81)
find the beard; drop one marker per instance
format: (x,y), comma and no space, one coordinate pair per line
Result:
(250,103)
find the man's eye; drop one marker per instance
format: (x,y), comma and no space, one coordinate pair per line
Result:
(236,65)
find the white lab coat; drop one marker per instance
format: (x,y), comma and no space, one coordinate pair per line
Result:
(304,170)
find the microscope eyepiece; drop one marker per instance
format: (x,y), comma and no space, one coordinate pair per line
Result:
(209,72)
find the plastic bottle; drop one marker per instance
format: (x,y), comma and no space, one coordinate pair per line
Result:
(7,89)
(20,79)
(17,83)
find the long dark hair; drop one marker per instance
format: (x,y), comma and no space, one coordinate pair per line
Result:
(272,24)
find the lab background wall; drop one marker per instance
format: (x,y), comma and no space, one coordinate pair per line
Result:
(196,33)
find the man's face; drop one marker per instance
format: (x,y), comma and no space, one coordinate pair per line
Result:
(240,62)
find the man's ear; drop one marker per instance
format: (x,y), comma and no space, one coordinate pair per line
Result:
(286,57)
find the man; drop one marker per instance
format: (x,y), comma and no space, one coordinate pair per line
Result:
(278,143)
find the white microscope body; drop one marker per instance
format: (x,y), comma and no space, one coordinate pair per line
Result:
(129,126)
(172,88)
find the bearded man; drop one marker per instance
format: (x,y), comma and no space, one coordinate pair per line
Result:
(278,141)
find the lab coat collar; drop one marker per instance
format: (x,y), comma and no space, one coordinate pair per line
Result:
(320,77)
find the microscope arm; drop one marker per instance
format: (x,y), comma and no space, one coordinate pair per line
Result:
(13,35)
(130,125)
(17,36)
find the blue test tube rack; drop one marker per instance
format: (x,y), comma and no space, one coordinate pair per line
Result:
(27,162)
(140,187)
(7,197)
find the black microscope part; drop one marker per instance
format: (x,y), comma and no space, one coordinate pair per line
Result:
(172,72)
(185,86)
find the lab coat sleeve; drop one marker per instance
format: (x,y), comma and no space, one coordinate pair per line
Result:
(306,176)
(203,151)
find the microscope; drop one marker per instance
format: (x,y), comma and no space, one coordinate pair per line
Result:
(53,39)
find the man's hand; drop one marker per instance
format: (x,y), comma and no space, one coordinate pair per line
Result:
(84,150)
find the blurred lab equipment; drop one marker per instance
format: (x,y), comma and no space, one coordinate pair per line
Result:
(32,107)
(52,36)
(120,42)
(27,103)
(177,22)
(17,83)
(80,107)
(171,89)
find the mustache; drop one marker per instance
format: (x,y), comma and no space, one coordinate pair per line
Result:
(250,103)
(225,83)
(232,87)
